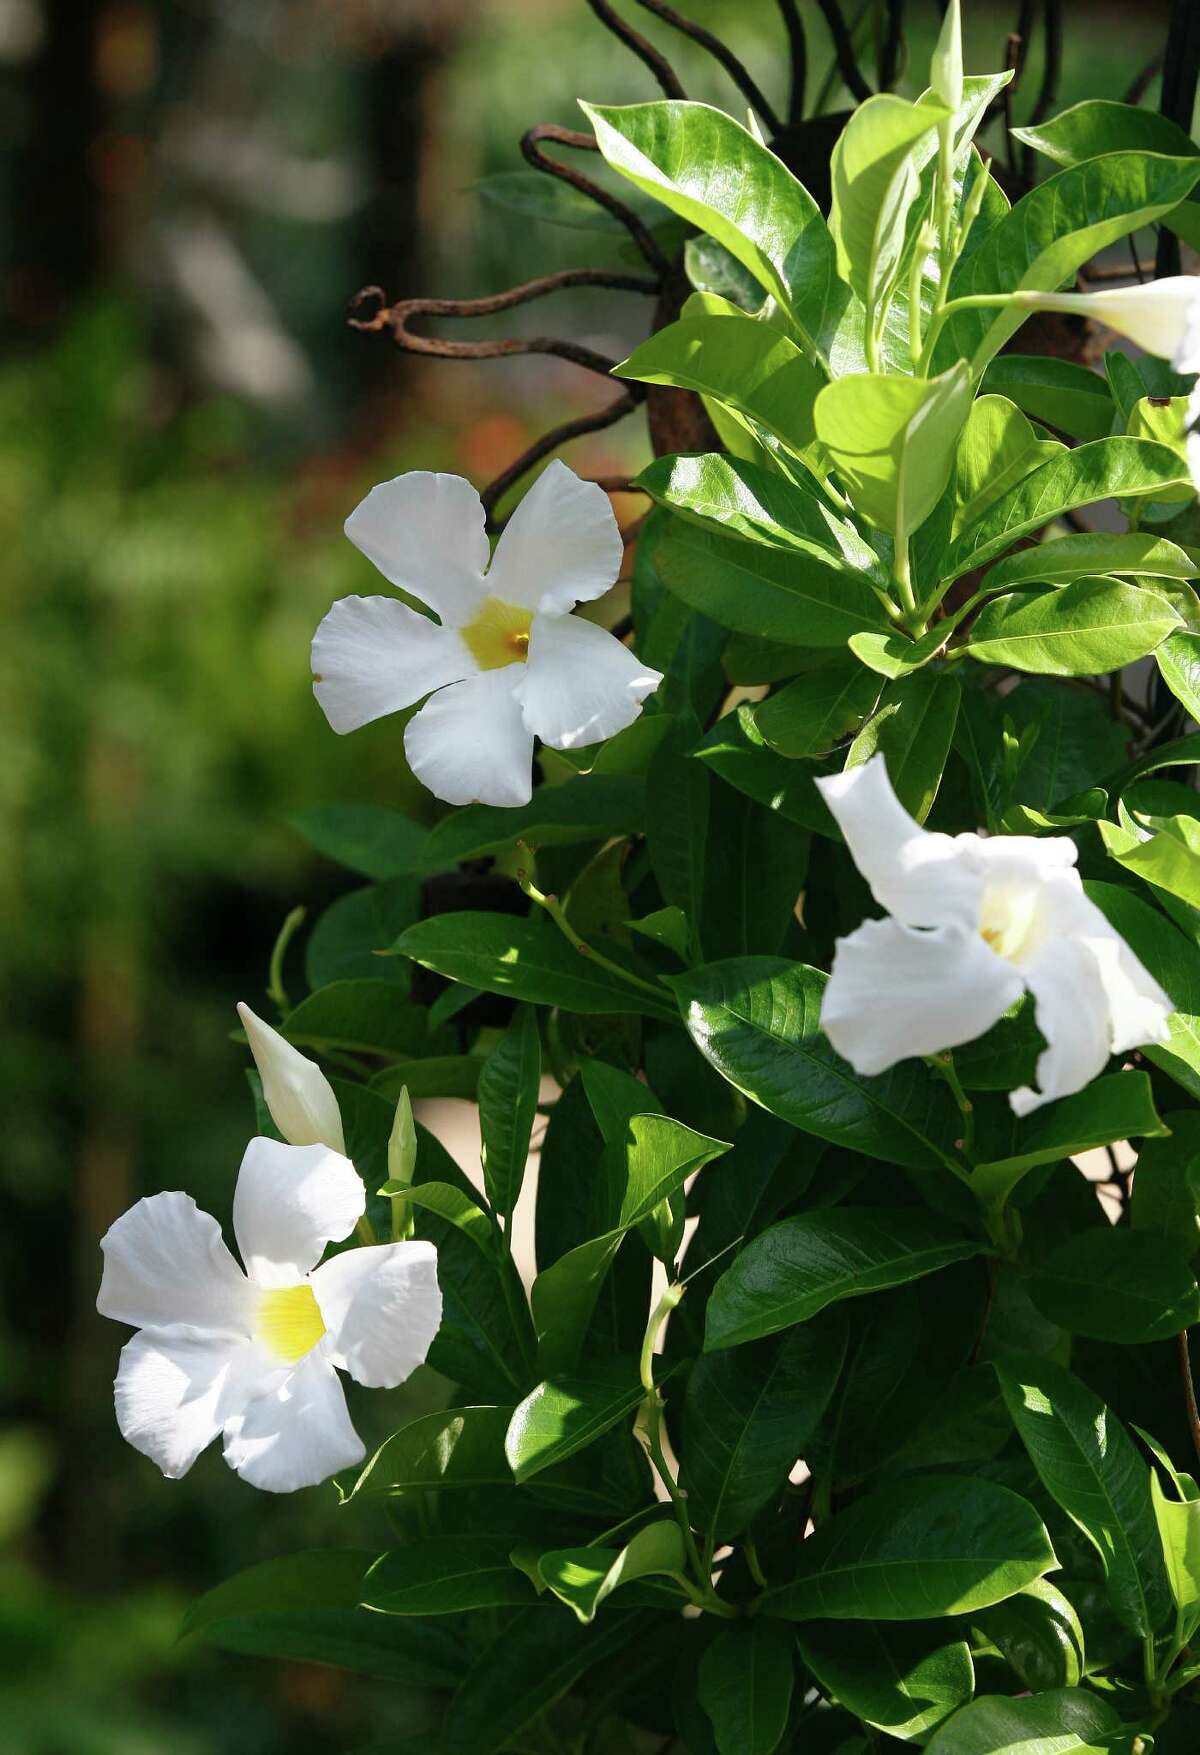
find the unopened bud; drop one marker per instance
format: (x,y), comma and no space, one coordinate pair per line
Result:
(301,1099)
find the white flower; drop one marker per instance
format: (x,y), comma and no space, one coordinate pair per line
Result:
(975,922)
(508,661)
(253,1356)
(297,1093)
(1163,316)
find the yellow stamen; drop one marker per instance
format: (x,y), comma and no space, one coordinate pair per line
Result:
(289,1321)
(499,634)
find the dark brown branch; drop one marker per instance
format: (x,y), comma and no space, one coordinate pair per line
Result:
(797,58)
(1145,79)
(1052,70)
(658,64)
(843,49)
(541,161)
(570,429)
(893,43)
(721,53)
(398,316)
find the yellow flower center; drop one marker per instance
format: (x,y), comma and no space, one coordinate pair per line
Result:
(499,634)
(289,1321)
(1010,922)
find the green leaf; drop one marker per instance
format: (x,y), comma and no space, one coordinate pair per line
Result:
(590,808)
(895,655)
(1059,393)
(789,595)
(747,1417)
(1170,860)
(1166,1189)
(903,1680)
(1118,1107)
(525,959)
(438,1075)
(1089,1466)
(1116,1284)
(813,713)
(893,442)
(875,183)
(1174,961)
(706,168)
(534,1659)
(747,366)
(584,1577)
(1051,232)
(756,861)
(711,269)
(757,1020)
(745,1686)
(1098,125)
(912,726)
(366,1017)
(534,196)
(1106,468)
(677,794)
(446,1575)
(734,749)
(345,942)
(1063,1721)
(1038,1634)
(508,1099)
(1179,1531)
(1178,660)
(802,1264)
(923,1547)
(455,1447)
(366,838)
(1090,627)
(566,1414)
(305,1607)
(455,1207)
(1091,553)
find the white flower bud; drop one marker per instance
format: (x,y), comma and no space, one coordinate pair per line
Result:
(301,1099)
(946,67)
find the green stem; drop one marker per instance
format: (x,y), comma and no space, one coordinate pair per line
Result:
(557,913)
(903,572)
(943,311)
(943,1064)
(276,991)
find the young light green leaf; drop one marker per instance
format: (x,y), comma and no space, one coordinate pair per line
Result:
(1063,1721)
(710,171)
(813,713)
(797,1267)
(508,1099)
(568,1413)
(1087,628)
(1179,1531)
(904,1680)
(745,1686)
(1088,1464)
(921,1548)
(1039,1635)
(1089,554)
(454,1206)
(875,183)
(584,1577)
(1178,661)
(1170,860)
(946,63)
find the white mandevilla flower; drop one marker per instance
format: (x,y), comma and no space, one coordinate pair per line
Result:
(508,662)
(253,1356)
(1163,316)
(976,921)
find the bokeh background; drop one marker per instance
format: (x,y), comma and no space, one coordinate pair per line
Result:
(190,190)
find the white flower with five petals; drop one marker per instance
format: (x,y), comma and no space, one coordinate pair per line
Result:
(253,1356)
(975,922)
(506,661)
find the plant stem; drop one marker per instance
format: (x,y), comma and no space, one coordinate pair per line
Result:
(941,312)
(276,991)
(903,571)
(944,1064)
(1189,1388)
(557,913)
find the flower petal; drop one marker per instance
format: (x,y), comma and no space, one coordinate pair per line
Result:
(580,684)
(425,533)
(896,992)
(469,744)
(166,1262)
(175,1389)
(562,545)
(1138,1008)
(923,879)
(373,655)
(291,1201)
(301,1099)
(1071,1008)
(382,1307)
(296,1435)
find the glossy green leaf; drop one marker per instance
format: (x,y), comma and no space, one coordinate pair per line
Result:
(997,448)
(875,183)
(345,942)
(903,1680)
(747,1417)
(1116,1284)
(455,1207)
(735,750)
(1063,1721)
(923,1547)
(366,838)
(1170,860)
(802,1264)
(749,367)
(912,727)
(1104,469)
(1039,1635)
(567,1414)
(895,655)
(1166,1190)
(1057,392)
(367,1017)
(677,791)
(1117,1107)
(1098,125)
(305,1607)
(789,595)
(1089,1465)
(813,713)
(710,171)
(1178,660)
(745,1687)
(1091,553)
(446,1575)
(1179,1530)
(508,1099)
(757,1020)
(1090,627)
(893,440)
(455,1447)
(1052,231)
(584,1577)
(435,1075)
(524,959)
(590,808)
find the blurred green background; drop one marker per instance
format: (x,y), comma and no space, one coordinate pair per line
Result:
(189,192)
